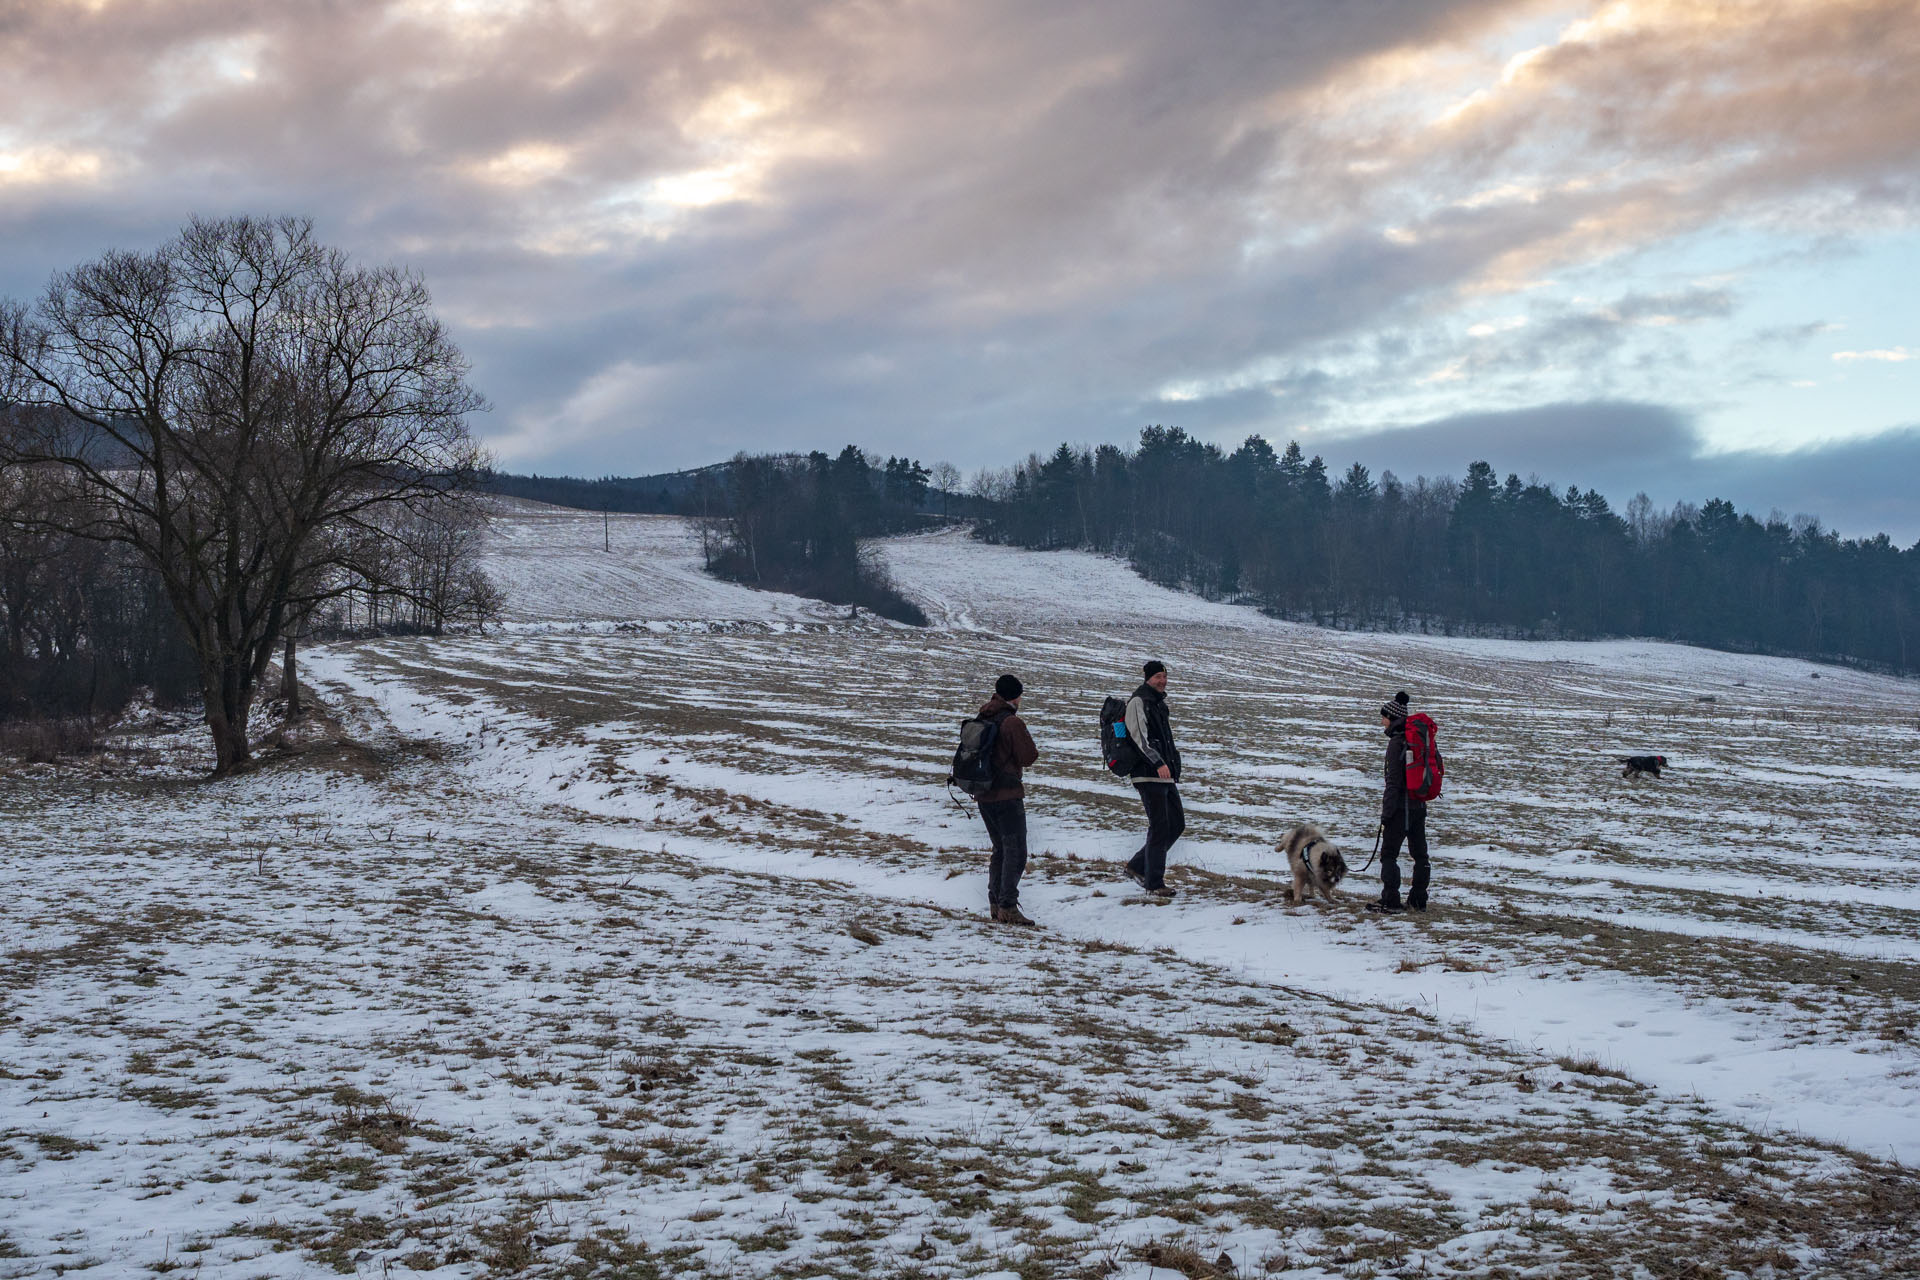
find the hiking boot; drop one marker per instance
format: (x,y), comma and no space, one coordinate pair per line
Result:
(1013,915)
(1416,906)
(1162,891)
(1385,908)
(1136,877)
(999,914)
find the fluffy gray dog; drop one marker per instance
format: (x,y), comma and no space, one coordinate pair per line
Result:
(1315,862)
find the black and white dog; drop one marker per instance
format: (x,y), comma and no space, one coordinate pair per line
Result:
(1638,765)
(1316,863)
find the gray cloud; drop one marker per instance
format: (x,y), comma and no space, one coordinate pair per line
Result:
(1859,487)
(960,229)
(1566,442)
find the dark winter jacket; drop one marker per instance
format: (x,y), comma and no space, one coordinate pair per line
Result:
(1396,801)
(1013,751)
(1152,732)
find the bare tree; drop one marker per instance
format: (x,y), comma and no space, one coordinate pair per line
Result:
(945,478)
(748,511)
(439,569)
(991,485)
(706,505)
(292,633)
(242,405)
(30,567)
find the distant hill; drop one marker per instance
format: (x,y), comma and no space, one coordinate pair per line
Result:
(670,493)
(687,493)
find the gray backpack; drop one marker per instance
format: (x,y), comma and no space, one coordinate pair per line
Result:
(973,760)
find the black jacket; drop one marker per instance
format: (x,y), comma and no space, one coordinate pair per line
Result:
(1395,801)
(1153,705)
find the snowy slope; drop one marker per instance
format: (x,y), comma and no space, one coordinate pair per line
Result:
(558,565)
(964,583)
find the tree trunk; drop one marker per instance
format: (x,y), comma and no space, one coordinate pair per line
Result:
(290,681)
(230,749)
(229,697)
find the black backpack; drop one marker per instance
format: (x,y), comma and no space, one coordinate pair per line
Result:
(973,761)
(1116,748)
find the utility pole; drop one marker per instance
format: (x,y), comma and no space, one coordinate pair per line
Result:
(606,531)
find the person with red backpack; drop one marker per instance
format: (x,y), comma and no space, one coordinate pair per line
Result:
(1414,773)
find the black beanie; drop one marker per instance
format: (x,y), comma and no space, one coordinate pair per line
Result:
(1009,687)
(1154,668)
(1395,708)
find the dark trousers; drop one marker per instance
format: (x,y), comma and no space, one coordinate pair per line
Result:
(1410,825)
(1007,827)
(1166,819)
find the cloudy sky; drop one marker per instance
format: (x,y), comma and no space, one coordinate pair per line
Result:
(1652,245)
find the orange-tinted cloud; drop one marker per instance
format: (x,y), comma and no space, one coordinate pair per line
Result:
(1028,216)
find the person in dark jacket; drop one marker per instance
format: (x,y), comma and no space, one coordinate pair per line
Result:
(1004,807)
(1402,818)
(1156,776)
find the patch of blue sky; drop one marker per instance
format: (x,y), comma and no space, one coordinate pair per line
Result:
(1829,347)
(1767,339)
(1821,340)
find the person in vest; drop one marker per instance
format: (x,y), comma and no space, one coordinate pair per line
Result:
(1004,807)
(1401,817)
(1156,777)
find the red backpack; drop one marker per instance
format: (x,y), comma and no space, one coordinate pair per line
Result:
(1425,768)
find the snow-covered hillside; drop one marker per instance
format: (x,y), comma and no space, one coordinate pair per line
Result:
(554,564)
(967,584)
(661,951)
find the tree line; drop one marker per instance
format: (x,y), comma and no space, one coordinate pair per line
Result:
(663,494)
(794,522)
(213,449)
(1513,557)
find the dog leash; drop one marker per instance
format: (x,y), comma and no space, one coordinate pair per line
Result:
(1379,833)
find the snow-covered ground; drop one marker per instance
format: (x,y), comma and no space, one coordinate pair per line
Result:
(968,585)
(662,948)
(552,564)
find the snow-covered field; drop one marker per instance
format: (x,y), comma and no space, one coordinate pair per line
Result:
(641,940)
(551,563)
